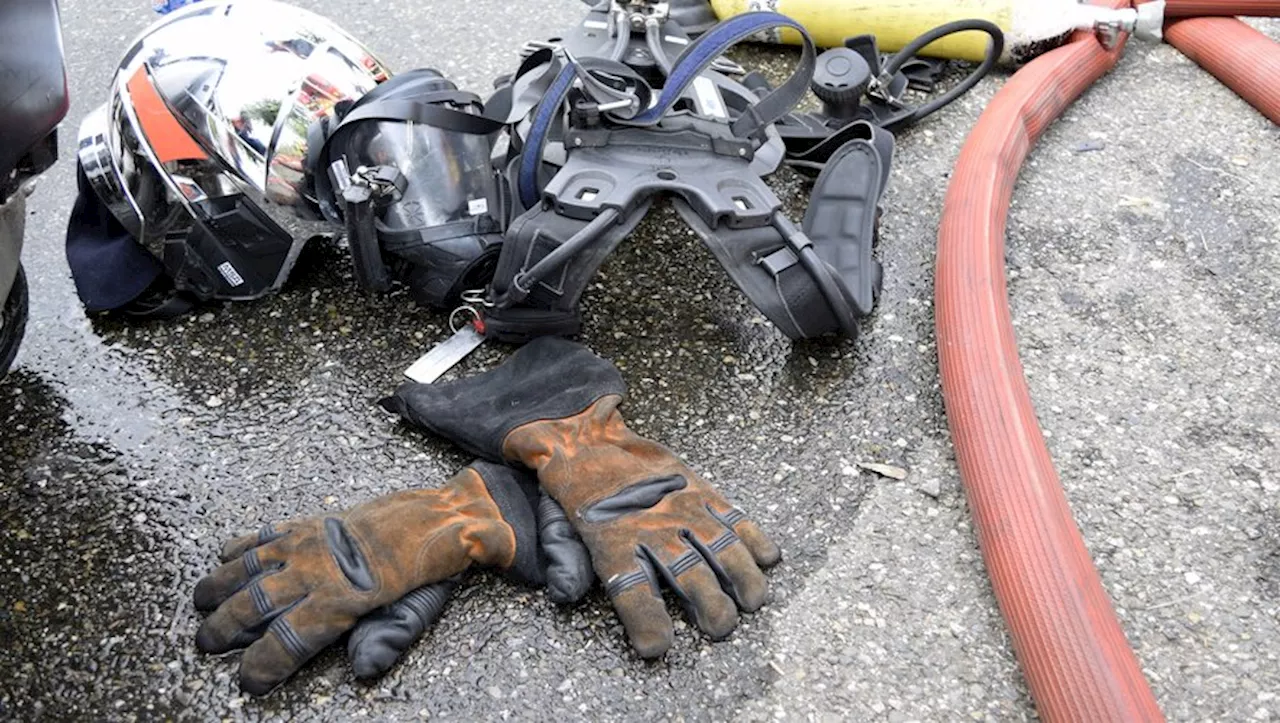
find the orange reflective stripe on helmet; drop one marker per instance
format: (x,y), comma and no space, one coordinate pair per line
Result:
(169,140)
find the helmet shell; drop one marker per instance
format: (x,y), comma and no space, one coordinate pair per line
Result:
(200,150)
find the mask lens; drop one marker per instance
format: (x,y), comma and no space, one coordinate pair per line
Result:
(447,174)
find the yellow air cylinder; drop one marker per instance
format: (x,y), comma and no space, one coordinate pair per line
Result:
(1027,24)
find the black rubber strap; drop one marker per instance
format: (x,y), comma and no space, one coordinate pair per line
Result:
(425,112)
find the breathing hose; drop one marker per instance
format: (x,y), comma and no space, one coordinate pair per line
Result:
(819,271)
(994,50)
(523,282)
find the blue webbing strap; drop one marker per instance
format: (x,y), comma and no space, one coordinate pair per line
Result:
(692,62)
(543,115)
(712,44)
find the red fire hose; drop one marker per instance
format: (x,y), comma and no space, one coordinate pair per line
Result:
(1245,60)
(1069,643)
(1228,8)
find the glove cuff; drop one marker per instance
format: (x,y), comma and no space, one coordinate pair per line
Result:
(512,491)
(548,378)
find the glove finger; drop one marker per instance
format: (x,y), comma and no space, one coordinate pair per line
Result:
(243,617)
(291,640)
(568,563)
(763,549)
(230,577)
(644,616)
(267,533)
(739,575)
(704,601)
(382,636)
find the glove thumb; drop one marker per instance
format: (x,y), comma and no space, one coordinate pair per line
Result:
(565,559)
(382,636)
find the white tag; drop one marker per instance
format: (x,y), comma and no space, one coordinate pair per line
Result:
(674,40)
(477,206)
(707,96)
(595,25)
(445,355)
(229,273)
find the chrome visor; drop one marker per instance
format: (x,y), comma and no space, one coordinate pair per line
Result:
(215,102)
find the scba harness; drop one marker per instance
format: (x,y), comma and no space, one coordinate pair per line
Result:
(601,124)
(707,142)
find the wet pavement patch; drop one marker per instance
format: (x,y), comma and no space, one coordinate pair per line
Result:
(87,580)
(130,452)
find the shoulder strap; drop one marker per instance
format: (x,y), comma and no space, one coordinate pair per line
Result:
(641,110)
(699,55)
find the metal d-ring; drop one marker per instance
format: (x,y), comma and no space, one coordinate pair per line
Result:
(454,326)
(474,298)
(518,283)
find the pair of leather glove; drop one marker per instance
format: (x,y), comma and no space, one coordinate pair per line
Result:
(597,496)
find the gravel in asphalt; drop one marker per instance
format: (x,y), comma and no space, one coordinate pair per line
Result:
(1143,260)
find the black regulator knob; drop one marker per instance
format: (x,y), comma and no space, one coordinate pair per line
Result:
(840,80)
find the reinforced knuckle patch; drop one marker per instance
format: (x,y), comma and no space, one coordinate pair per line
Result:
(288,637)
(252,564)
(261,601)
(620,583)
(728,519)
(723,542)
(685,563)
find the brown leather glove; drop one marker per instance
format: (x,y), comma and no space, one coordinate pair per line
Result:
(291,589)
(380,638)
(646,518)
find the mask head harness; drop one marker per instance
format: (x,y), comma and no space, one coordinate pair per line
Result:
(407,170)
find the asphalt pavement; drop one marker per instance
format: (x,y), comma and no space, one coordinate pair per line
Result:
(1143,256)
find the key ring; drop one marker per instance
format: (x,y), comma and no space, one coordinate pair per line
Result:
(454,326)
(474,298)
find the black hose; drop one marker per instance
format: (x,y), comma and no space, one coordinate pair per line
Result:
(820,272)
(994,50)
(523,282)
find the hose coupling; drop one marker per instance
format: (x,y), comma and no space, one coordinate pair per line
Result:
(1145,22)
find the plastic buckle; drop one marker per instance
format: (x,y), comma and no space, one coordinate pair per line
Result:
(386,182)
(532,46)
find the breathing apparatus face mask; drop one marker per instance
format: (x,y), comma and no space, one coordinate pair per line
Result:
(408,171)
